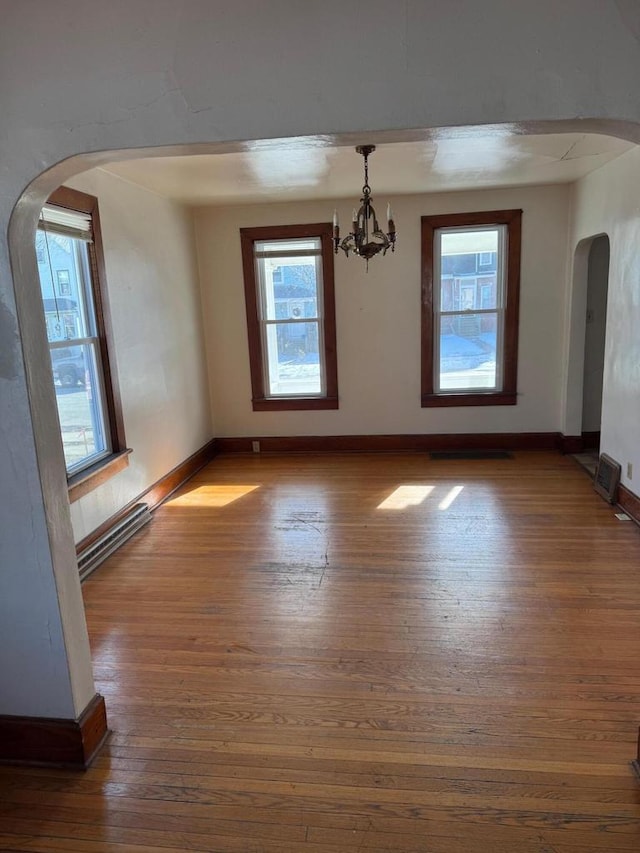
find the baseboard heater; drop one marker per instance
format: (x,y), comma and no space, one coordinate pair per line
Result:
(123,529)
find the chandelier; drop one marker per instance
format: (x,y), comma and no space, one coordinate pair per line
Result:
(366,239)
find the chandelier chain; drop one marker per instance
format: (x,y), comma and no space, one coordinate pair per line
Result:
(366,189)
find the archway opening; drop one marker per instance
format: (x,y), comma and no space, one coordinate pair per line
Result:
(594,343)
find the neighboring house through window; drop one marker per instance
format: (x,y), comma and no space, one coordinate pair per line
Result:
(470,292)
(290,304)
(69,253)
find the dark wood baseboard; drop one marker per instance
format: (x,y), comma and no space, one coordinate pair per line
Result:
(630,503)
(578,443)
(158,492)
(167,485)
(380,443)
(570,443)
(61,743)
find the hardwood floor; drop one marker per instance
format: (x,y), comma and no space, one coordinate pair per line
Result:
(360,653)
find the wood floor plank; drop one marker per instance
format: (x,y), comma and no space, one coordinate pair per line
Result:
(318,654)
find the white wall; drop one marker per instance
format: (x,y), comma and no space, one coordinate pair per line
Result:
(378,321)
(608,202)
(154,300)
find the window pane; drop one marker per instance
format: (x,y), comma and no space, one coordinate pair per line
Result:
(463,255)
(468,348)
(467,241)
(284,246)
(78,395)
(63,269)
(293,359)
(289,287)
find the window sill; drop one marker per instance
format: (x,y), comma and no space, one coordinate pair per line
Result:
(86,481)
(502,398)
(294,404)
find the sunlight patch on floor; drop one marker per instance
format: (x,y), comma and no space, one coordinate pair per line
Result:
(405,496)
(413,495)
(446,502)
(212,496)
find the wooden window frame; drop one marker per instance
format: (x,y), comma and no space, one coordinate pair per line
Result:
(260,401)
(93,475)
(507,396)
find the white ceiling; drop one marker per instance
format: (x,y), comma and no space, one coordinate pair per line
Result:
(290,172)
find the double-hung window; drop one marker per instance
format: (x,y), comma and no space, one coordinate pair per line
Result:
(470,294)
(290,304)
(68,249)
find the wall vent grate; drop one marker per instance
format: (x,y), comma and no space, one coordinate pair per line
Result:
(94,554)
(607,478)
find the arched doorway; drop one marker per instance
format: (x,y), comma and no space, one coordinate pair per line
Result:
(586,328)
(594,341)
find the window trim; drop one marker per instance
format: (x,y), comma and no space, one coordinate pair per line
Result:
(260,401)
(94,474)
(507,396)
